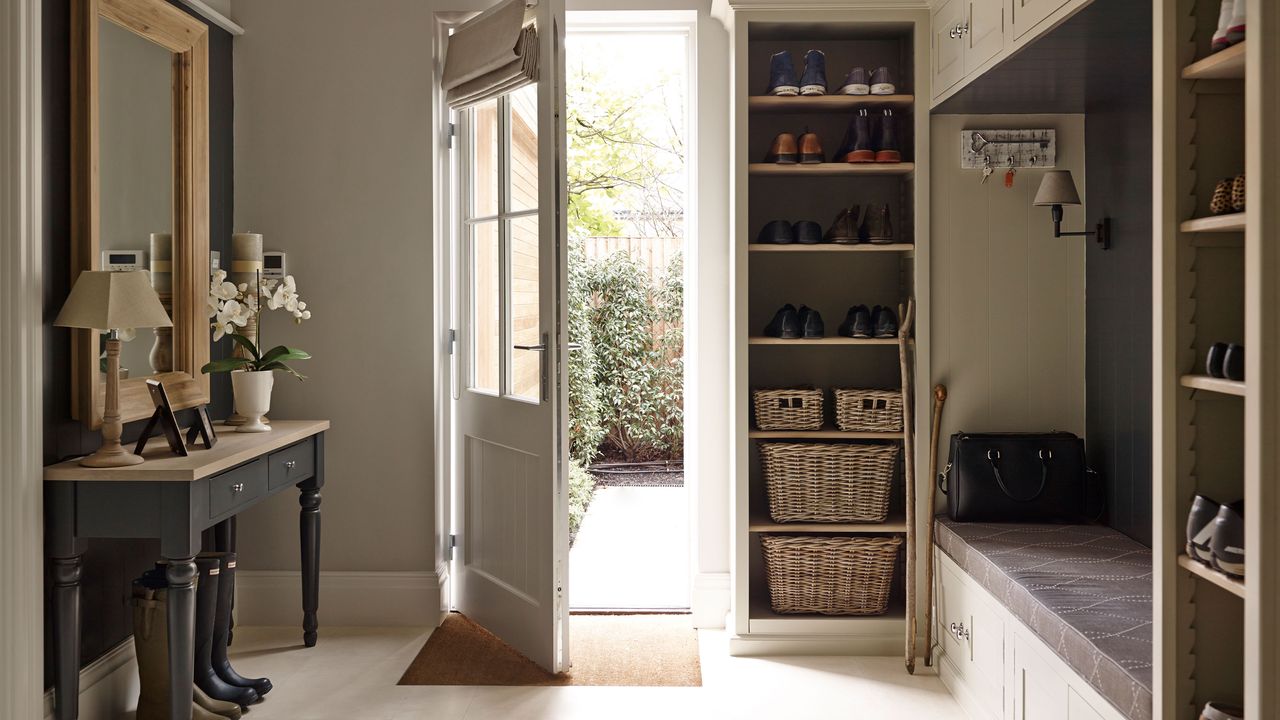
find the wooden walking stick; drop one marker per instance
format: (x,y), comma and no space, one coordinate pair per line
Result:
(939,399)
(908,447)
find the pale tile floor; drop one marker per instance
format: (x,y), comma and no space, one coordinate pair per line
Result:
(352,673)
(632,551)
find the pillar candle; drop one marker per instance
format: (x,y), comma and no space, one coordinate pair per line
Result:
(162,262)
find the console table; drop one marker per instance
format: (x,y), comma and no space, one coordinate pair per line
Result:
(175,499)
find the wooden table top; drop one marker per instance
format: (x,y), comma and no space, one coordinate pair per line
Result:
(162,465)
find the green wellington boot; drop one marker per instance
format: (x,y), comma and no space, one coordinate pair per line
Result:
(151,642)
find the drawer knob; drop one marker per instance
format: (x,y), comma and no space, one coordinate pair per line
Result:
(959,631)
(238,487)
(290,464)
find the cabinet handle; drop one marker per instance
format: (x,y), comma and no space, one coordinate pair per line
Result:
(290,464)
(959,632)
(955,32)
(963,30)
(238,487)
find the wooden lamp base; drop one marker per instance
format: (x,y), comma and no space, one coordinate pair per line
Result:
(112,454)
(105,457)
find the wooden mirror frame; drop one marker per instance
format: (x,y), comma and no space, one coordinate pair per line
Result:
(188,40)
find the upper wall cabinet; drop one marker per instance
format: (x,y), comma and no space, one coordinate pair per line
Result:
(972,36)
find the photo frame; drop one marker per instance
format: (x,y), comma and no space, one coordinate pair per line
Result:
(202,430)
(164,418)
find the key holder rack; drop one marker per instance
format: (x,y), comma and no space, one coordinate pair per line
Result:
(1008,148)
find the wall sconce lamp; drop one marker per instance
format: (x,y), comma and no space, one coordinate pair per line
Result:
(1058,189)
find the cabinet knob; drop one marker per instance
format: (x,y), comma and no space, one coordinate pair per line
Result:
(290,464)
(238,487)
(959,631)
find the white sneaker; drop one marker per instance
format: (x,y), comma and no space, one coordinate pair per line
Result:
(1235,31)
(1220,41)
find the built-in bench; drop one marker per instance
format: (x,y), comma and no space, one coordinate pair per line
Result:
(1083,590)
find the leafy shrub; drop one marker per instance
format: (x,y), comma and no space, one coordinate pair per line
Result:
(582,486)
(585,429)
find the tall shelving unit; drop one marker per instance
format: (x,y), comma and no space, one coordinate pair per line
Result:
(827,277)
(1215,279)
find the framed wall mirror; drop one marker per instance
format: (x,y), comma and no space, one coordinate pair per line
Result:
(140,192)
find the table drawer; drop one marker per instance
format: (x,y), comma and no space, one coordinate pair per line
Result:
(235,488)
(292,464)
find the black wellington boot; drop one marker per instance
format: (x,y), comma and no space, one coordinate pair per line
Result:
(209,568)
(222,629)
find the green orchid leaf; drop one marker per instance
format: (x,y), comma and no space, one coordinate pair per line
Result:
(245,343)
(225,365)
(277,365)
(280,352)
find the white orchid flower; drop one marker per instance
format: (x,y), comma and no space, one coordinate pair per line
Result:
(225,291)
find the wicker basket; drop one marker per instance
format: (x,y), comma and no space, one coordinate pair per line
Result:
(817,482)
(859,410)
(788,409)
(830,575)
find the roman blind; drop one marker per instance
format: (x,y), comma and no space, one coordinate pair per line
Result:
(491,54)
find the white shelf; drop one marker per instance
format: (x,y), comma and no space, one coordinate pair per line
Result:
(1213,384)
(838,340)
(826,103)
(829,248)
(765,621)
(893,525)
(1223,65)
(830,169)
(1204,572)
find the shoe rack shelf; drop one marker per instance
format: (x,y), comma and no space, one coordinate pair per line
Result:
(1223,65)
(827,103)
(1213,384)
(1214,281)
(830,278)
(1204,572)
(832,169)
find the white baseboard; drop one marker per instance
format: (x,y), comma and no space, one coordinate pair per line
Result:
(709,603)
(368,599)
(108,685)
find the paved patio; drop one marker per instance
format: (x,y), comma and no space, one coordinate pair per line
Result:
(632,551)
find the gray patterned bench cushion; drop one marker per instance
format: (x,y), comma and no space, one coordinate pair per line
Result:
(1085,590)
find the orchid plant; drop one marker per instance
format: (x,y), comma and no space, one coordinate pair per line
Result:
(232,306)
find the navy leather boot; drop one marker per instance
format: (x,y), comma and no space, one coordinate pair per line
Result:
(785,323)
(857,323)
(811,322)
(808,232)
(814,80)
(776,232)
(782,75)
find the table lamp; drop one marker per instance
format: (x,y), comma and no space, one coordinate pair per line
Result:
(110,301)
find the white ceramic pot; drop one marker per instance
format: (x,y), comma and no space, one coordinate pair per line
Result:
(253,397)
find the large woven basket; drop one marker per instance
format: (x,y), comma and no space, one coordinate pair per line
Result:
(788,409)
(827,482)
(860,410)
(830,575)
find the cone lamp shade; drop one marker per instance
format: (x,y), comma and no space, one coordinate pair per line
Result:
(1057,188)
(112,300)
(105,300)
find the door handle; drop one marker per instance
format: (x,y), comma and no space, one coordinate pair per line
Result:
(541,349)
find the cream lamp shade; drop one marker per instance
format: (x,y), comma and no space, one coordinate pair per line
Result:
(1057,188)
(108,300)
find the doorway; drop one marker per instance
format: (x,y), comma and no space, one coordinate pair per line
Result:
(628,195)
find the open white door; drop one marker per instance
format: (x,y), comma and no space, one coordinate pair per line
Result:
(510,437)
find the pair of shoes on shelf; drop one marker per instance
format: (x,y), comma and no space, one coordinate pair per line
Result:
(782,75)
(1225,360)
(781,232)
(786,150)
(1231,23)
(790,324)
(1228,196)
(877,322)
(861,224)
(858,82)
(1214,710)
(862,145)
(219,691)
(1215,535)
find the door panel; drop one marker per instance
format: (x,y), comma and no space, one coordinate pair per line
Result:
(510,437)
(948,47)
(1028,13)
(985,36)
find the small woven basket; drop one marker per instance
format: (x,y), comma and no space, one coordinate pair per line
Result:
(862,410)
(827,482)
(830,575)
(788,409)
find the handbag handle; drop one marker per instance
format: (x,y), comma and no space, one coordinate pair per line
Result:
(993,457)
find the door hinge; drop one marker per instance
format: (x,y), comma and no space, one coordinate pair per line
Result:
(453,340)
(453,130)
(453,546)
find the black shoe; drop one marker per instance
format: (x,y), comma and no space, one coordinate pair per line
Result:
(1227,544)
(1200,528)
(811,323)
(222,628)
(844,229)
(1214,710)
(1213,360)
(776,232)
(857,322)
(884,321)
(808,232)
(887,148)
(856,147)
(1233,363)
(882,82)
(877,228)
(206,678)
(785,324)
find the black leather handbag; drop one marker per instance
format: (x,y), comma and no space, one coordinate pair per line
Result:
(1016,477)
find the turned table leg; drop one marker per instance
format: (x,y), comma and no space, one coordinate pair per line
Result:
(66,633)
(181,574)
(309,534)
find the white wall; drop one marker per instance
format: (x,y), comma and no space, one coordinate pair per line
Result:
(332,161)
(333,141)
(1008,298)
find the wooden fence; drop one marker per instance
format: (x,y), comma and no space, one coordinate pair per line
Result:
(654,253)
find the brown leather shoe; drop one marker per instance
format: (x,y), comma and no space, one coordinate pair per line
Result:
(783,151)
(810,149)
(878,229)
(844,230)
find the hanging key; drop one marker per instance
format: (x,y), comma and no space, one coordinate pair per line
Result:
(1008,176)
(986,169)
